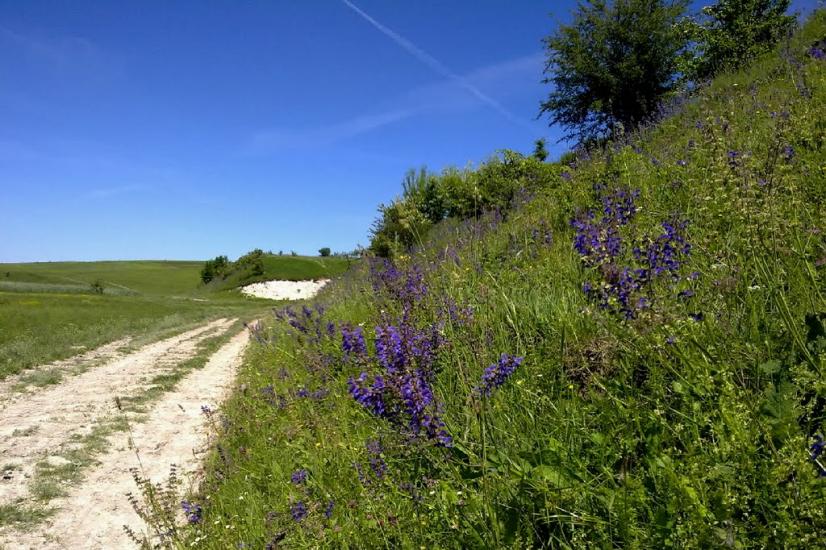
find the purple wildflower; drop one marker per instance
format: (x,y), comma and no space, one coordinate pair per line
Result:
(498,373)
(817,53)
(788,153)
(377,463)
(328,511)
(733,158)
(817,447)
(193,511)
(299,476)
(352,341)
(389,348)
(371,397)
(298,511)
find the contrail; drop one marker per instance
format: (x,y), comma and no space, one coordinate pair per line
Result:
(435,65)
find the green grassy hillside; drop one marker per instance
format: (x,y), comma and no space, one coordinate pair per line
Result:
(289,268)
(633,357)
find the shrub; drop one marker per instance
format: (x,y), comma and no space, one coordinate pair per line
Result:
(730,33)
(216,267)
(324,252)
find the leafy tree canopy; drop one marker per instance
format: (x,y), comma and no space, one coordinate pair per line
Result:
(612,65)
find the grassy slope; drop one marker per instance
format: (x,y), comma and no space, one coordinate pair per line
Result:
(659,431)
(289,268)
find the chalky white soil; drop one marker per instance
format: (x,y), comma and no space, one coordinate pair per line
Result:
(284,290)
(35,426)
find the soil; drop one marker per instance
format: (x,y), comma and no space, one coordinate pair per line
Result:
(35,426)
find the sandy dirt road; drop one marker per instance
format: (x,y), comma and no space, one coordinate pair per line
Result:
(35,426)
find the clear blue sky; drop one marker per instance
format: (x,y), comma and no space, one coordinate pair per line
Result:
(184,130)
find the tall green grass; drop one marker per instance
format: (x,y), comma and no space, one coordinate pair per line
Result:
(689,425)
(37,328)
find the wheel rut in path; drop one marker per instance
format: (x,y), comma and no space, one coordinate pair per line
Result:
(176,432)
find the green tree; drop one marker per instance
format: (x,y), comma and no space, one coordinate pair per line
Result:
(731,32)
(540,153)
(324,252)
(252,262)
(613,65)
(216,267)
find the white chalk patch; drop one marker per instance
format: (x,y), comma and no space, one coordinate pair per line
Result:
(284,290)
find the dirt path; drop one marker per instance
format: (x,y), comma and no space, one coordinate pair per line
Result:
(35,425)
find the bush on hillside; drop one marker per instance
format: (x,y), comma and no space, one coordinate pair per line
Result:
(251,263)
(730,33)
(428,198)
(214,268)
(324,252)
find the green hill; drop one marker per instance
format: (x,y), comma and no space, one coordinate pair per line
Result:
(632,357)
(118,277)
(288,268)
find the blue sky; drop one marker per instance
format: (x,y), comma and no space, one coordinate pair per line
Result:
(184,130)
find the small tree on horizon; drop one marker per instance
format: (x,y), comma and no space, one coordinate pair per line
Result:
(324,252)
(612,66)
(540,153)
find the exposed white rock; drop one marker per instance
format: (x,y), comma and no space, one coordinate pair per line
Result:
(284,290)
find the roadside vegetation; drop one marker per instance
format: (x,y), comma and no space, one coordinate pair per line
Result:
(622,349)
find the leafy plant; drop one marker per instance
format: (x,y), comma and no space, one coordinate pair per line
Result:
(730,33)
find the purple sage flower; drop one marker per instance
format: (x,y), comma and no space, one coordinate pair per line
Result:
(498,373)
(193,511)
(298,511)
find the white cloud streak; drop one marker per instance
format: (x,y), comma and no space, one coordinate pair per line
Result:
(443,97)
(436,65)
(107,192)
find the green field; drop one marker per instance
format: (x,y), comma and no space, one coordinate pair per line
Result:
(36,328)
(130,277)
(48,310)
